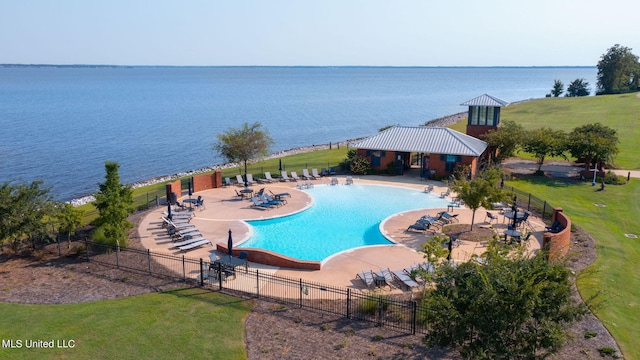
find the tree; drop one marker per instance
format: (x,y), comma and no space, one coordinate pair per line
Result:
(544,142)
(578,87)
(618,71)
(512,307)
(114,202)
(593,142)
(68,219)
(558,87)
(480,191)
(243,144)
(505,140)
(26,209)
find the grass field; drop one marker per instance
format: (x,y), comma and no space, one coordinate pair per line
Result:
(614,276)
(179,324)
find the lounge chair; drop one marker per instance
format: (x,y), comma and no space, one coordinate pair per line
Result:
(324,172)
(305,174)
(334,181)
(405,279)
(491,217)
(240,180)
(332,171)
(429,188)
(180,215)
(286,177)
(279,196)
(250,180)
(266,201)
(227,182)
(295,176)
(420,226)
(267,177)
(367,278)
(314,173)
(449,218)
(445,194)
(194,245)
(188,241)
(556,227)
(258,204)
(386,274)
(308,184)
(281,200)
(187,233)
(300,185)
(349,180)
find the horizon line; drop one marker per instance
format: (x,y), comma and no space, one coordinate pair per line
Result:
(294,66)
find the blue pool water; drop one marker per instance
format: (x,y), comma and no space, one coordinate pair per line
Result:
(341,218)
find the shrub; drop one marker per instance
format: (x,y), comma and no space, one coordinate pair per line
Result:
(373,303)
(360,165)
(612,178)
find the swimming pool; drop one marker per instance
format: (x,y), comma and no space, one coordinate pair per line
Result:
(341,218)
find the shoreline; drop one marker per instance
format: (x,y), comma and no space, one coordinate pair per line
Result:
(443,121)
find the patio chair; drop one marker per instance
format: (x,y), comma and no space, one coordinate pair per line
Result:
(367,278)
(188,241)
(200,204)
(286,177)
(419,226)
(295,176)
(250,180)
(324,172)
(386,273)
(305,174)
(266,201)
(227,182)
(405,279)
(308,184)
(429,188)
(445,194)
(334,181)
(239,196)
(449,218)
(258,204)
(279,196)
(491,217)
(195,245)
(332,171)
(267,177)
(240,180)
(280,200)
(314,173)
(349,180)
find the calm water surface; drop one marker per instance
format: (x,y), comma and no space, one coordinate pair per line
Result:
(61,124)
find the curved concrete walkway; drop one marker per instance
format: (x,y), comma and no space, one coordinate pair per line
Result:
(224,211)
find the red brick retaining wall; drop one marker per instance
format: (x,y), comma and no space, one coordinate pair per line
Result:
(173,187)
(558,243)
(270,258)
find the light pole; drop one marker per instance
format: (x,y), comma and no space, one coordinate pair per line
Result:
(595,171)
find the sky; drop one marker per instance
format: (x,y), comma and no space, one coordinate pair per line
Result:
(316,33)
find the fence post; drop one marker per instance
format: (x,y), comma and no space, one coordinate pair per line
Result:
(380,310)
(157,200)
(529,204)
(147,201)
(348,303)
(117,254)
(184,271)
(300,301)
(414,316)
(220,275)
(258,283)
(86,248)
(544,208)
(149,260)
(201,273)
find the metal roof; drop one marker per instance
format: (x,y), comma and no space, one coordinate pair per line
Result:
(485,100)
(423,139)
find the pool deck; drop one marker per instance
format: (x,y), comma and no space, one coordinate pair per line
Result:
(223,211)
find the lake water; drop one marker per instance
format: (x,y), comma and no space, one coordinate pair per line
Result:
(60,124)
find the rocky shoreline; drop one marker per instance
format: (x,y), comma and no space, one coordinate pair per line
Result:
(443,121)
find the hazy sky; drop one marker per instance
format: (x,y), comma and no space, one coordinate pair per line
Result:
(310,32)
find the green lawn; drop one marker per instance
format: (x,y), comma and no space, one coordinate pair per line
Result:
(180,324)
(615,274)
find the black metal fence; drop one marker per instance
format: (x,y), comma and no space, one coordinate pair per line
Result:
(402,315)
(531,203)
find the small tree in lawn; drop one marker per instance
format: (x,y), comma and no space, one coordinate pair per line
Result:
(480,191)
(505,140)
(243,144)
(544,142)
(114,202)
(69,218)
(593,142)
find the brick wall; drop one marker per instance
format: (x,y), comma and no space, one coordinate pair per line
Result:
(270,258)
(558,244)
(173,187)
(203,182)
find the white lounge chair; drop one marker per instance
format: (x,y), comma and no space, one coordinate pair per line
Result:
(367,278)
(188,241)
(305,174)
(349,180)
(240,180)
(314,173)
(286,177)
(405,279)
(295,176)
(308,184)
(194,245)
(250,180)
(334,181)
(267,178)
